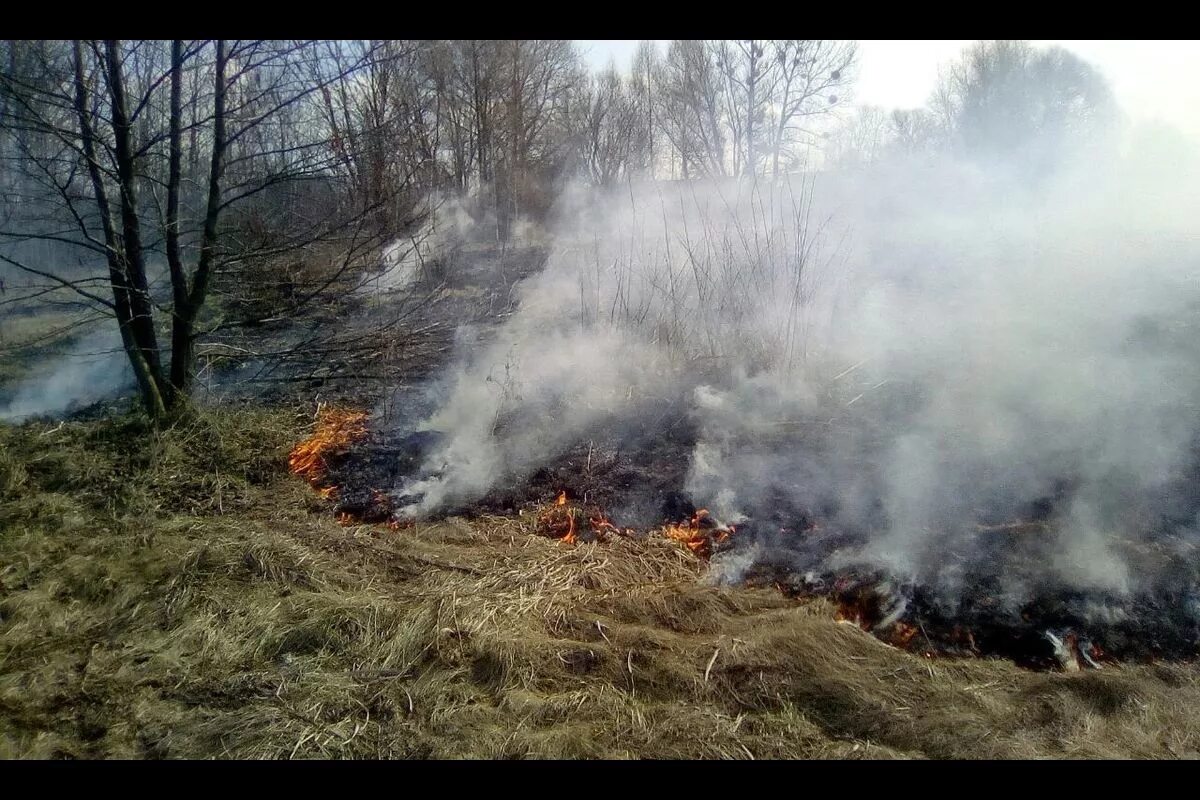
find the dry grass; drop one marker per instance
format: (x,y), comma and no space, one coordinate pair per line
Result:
(183,600)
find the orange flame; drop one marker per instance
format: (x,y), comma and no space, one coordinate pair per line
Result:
(700,534)
(861,611)
(902,634)
(562,520)
(558,521)
(336,428)
(600,524)
(848,612)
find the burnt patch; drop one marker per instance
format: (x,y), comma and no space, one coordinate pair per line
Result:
(367,474)
(633,472)
(989,590)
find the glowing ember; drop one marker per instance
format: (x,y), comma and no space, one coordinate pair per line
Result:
(336,429)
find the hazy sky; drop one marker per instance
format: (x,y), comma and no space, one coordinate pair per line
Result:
(1153,80)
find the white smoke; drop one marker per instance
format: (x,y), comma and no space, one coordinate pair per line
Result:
(430,252)
(910,348)
(94,368)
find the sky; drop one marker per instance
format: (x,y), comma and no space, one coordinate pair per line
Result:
(1154,81)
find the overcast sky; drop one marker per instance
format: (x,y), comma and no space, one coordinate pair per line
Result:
(1152,80)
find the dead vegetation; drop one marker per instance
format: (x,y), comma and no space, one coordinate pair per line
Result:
(192,600)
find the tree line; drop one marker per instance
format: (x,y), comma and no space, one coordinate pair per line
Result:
(1001,102)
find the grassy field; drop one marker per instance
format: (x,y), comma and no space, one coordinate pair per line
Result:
(180,595)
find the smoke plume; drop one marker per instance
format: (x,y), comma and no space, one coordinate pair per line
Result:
(94,368)
(917,350)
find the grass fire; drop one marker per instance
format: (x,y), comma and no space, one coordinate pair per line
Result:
(423,399)
(335,430)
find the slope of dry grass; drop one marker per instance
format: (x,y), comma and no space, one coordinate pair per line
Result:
(180,595)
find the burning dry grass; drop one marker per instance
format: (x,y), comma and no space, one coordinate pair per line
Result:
(181,600)
(335,429)
(700,533)
(571,522)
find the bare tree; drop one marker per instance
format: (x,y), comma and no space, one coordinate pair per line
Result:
(861,140)
(610,117)
(749,77)
(692,108)
(504,109)
(916,130)
(643,86)
(729,105)
(540,78)
(382,122)
(812,76)
(116,136)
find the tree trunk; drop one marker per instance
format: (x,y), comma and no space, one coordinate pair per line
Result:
(141,319)
(751,107)
(183,355)
(180,332)
(148,385)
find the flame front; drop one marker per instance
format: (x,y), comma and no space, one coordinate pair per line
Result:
(336,429)
(561,520)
